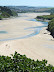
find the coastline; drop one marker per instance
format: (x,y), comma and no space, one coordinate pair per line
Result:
(37,47)
(42,20)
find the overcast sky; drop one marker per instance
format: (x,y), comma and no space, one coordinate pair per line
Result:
(27,2)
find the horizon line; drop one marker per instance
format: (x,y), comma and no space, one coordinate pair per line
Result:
(26,5)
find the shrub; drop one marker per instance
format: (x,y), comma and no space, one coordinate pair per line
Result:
(6,12)
(0,17)
(47,17)
(5,15)
(14,13)
(20,63)
(51,27)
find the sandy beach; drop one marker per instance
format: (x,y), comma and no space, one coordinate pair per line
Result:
(40,46)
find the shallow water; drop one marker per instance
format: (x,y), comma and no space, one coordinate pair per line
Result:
(44,23)
(36,31)
(3,32)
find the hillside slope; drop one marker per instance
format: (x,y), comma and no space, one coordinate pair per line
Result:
(6,12)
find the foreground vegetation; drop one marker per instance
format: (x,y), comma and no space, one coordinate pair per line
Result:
(20,63)
(5,12)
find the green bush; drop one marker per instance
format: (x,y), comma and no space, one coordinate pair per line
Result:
(5,9)
(0,17)
(14,13)
(51,27)
(5,15)
(6,12)
(47,17)
(20,63)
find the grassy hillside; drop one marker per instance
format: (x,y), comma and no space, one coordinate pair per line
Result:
(20,63)
(5,12)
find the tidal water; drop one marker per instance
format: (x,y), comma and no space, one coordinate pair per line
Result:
(36,31)
(3,32)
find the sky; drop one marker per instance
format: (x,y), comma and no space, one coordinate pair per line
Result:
(47,3)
